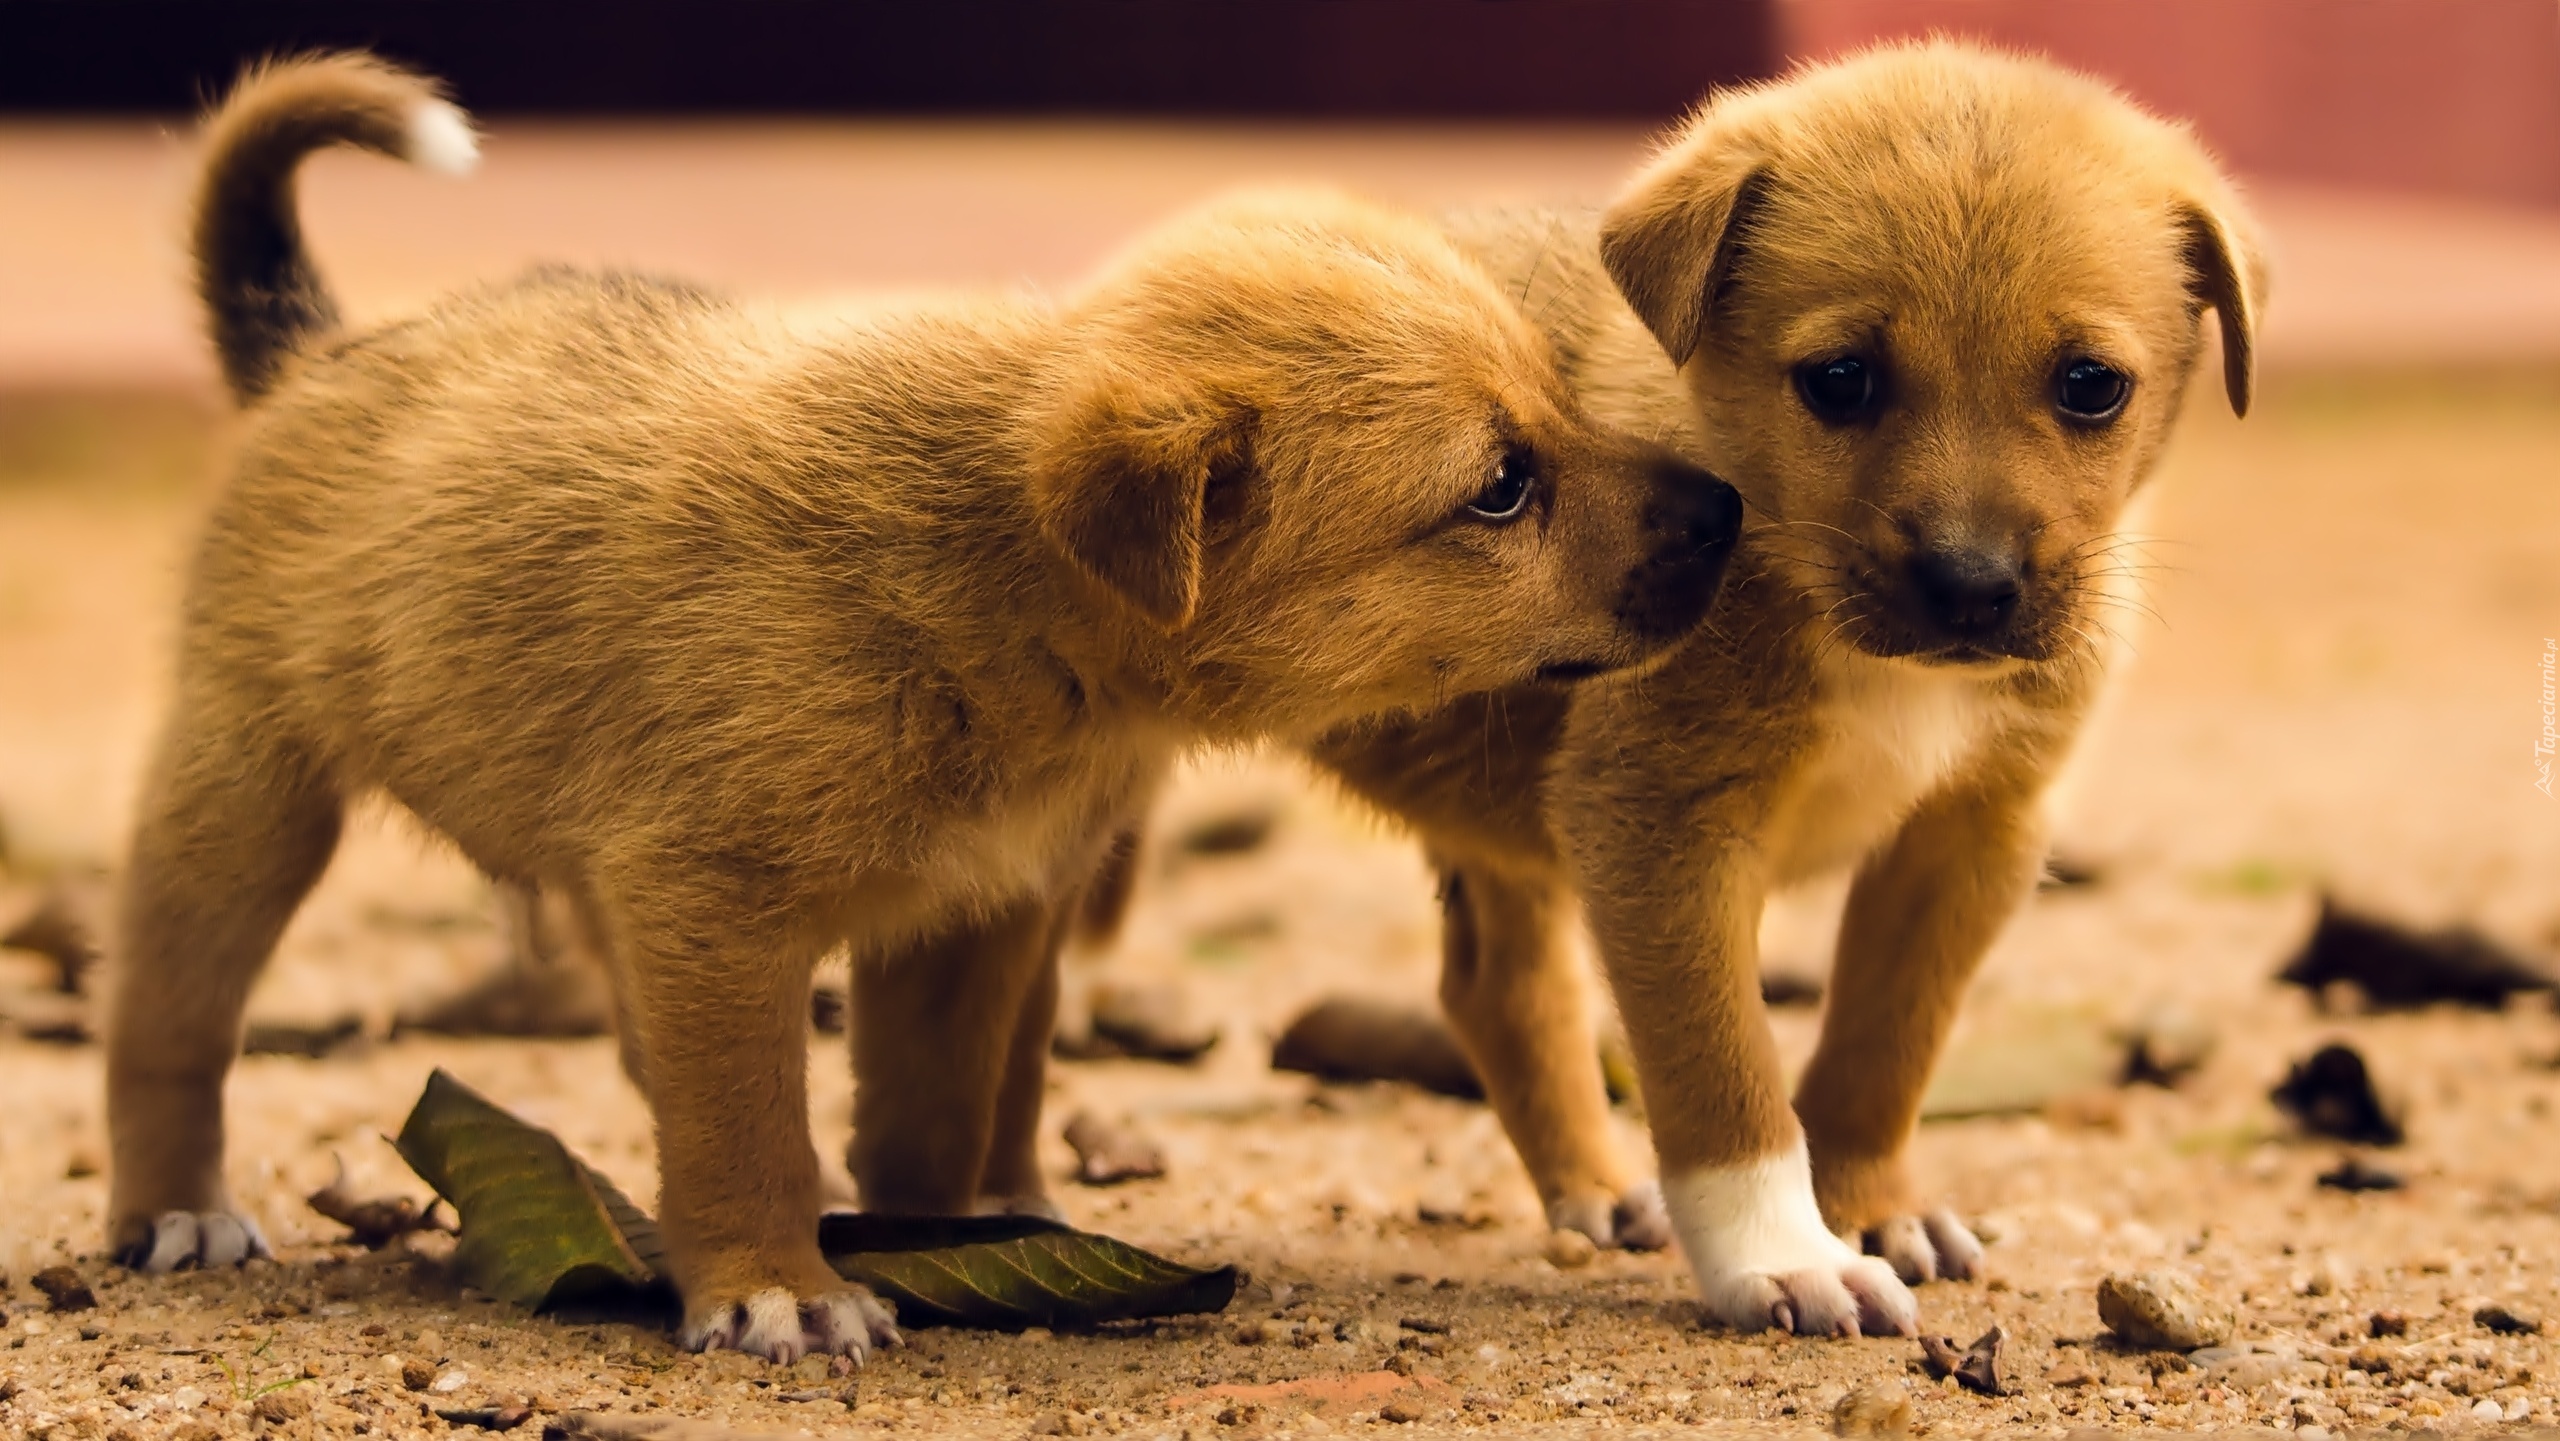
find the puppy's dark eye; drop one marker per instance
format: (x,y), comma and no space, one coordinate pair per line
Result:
(1840,391)
(2089,392)
(1505,496)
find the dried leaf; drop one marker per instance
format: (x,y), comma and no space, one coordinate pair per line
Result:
(1979,1369)
(376,1223)
(1009,1272)
(538,1225)
(543,1230)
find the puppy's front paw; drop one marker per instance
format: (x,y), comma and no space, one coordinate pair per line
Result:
(1633,1221)
(1763,1258)
(1933,1246)
(188,1240)
(779,1326)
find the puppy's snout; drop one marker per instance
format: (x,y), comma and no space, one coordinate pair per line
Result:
(1691,521)
(1968,592)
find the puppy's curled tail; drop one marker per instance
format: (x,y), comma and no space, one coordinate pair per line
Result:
(261,294)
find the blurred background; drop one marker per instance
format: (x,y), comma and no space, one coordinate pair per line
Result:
(2341,697)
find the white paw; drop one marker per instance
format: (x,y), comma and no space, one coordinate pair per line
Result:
(1763,1258)
(187,1240)
(1931,1247)
(1635,1221)
(782,1328)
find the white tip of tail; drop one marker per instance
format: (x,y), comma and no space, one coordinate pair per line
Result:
(440,138)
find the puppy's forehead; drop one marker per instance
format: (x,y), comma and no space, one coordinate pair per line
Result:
(1945,187)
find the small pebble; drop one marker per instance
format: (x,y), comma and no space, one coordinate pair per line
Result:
(417,1375)
(285,1404)
(1109,1153)
(1570,1250)
(2488,1410)
(1423,1325)
(1405,1413)
(2388,1323)
(1880,1408)
(2070,1374)
(2161,1311)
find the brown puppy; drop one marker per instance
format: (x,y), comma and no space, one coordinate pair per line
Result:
(756,632)
(1933,310)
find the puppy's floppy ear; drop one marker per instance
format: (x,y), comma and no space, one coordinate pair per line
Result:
(1121,483)
(2229,272)
(1671,239)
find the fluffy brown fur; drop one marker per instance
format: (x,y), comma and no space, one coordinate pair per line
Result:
(757,632)
(1925,609)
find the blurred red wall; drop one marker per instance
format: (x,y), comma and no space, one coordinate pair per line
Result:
(2451,96)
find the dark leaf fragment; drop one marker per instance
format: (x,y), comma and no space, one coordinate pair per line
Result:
(2352,1174)
(2401,969)
(63,1288)
(1978,1370)
(2506,1322)
(487,1418)
(2332,1094)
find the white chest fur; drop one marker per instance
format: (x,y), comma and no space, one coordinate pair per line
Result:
(1891,733)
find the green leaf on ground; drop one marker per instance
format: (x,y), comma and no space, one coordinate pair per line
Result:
(540,1228)
(1008,1272)
(545,1231)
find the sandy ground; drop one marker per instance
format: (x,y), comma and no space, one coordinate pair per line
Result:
(2355,587)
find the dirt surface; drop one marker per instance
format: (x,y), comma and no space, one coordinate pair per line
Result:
(2342,690)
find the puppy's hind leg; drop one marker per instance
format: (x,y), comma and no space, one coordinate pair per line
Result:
(937,1029)
(235,828)
(1010,1182)
(1523,1014)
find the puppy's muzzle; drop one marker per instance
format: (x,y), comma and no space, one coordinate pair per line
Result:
(1692,521)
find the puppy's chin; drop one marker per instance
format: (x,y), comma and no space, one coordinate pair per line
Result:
(1962,661)
(1891,639)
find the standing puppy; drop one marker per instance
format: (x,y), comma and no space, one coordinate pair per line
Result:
(1933,310)
(757,632)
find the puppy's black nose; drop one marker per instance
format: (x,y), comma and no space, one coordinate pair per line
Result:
(1967,592)
(1693,519)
